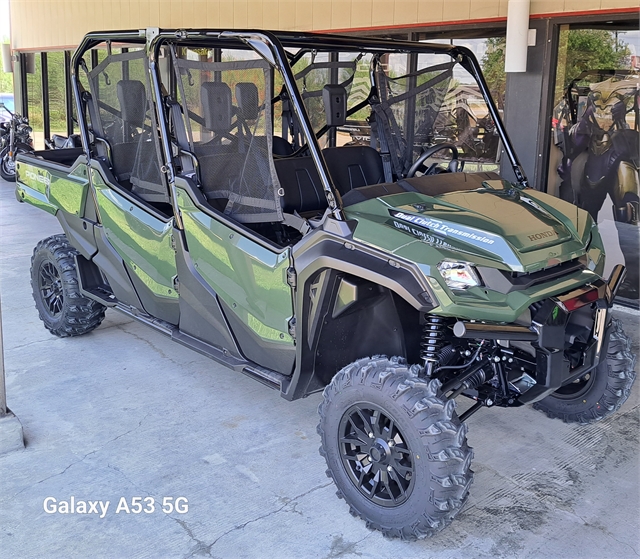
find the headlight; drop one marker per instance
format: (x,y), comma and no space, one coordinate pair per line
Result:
(458,275)
(26,129)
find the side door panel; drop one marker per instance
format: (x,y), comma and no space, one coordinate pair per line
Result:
(251,283)
(144,243)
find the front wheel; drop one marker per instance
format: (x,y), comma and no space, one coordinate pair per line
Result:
(54,281)
(8,163)
(602,391)
(395,448)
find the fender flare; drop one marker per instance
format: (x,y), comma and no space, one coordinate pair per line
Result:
(324,251)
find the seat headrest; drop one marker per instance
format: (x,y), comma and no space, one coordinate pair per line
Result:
(133,102)
(217,107)
(247,98)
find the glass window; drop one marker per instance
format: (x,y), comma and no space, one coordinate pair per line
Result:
(424,100)
(595,137)
(315,70)
(464,118)
(490,53)
(57,103)
(34,97)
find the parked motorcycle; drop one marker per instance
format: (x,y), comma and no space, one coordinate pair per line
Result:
(15,137)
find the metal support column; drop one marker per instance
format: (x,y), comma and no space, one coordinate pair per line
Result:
(20,85)
(68,91)
(44,80)
(125,65)
(529,103)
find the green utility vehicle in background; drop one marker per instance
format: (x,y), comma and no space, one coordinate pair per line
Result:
(219,198)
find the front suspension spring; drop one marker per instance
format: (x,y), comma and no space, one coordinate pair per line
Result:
(432,339)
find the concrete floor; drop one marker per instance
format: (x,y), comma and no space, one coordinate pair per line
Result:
(123,412)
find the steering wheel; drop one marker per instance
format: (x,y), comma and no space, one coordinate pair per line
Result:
(453,164)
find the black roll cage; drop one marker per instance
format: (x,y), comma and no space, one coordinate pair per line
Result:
(271,46)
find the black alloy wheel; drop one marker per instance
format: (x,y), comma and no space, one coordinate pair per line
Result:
(577,388)
(376,455)
(50,286)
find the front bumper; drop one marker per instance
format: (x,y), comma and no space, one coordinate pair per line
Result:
(558,327)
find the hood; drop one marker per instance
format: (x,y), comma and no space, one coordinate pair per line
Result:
(521,228)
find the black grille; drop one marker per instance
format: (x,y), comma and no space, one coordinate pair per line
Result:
(506,282)
(541,276)
(535,307)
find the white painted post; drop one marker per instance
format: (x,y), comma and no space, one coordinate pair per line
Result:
(517,36)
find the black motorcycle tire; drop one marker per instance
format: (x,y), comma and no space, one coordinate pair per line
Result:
(7,167)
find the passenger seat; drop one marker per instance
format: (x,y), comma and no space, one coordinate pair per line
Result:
(133,105)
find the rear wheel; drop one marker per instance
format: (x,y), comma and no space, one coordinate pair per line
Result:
(394,448)
(600,392)
(54,282)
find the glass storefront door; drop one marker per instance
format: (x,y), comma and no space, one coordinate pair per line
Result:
(594,153)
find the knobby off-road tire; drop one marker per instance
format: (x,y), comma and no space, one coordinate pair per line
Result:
(600,393)
(378,416)
(54,282)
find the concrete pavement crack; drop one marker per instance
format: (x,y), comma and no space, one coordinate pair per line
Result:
(82,459)
(200,548)
(124,434)
(602,529)
(623,543)
(111,326)
(148,342)
(13,348)
(321,486)
(116,469)
(288,503)
(57,474)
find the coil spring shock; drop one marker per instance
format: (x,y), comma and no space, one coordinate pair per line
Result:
(432,337)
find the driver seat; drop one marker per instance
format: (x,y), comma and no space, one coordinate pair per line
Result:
(353,167)
(349,166)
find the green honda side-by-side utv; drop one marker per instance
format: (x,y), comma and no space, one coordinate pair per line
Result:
(219,197)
